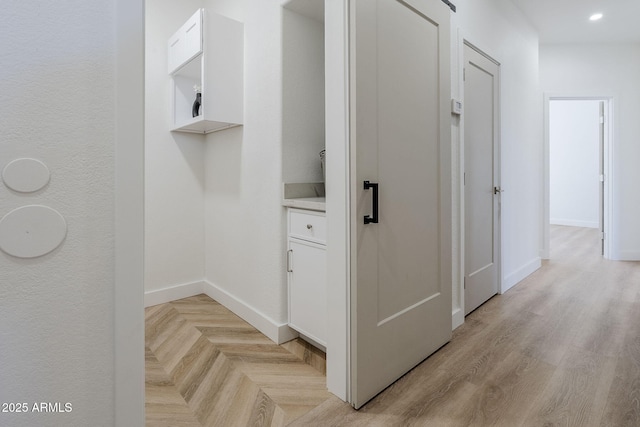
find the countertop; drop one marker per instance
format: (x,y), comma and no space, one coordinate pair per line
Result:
(311,203)
(306,195)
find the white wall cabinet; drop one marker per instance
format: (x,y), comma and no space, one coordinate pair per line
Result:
(186,43)
(207,52)
(306,267)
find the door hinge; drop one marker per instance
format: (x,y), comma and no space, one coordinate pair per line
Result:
(464,74)
(602,178)
(602,235)
(464,282)
(601,119)
(464,178)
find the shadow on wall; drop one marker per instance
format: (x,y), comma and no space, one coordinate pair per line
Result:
(223,157)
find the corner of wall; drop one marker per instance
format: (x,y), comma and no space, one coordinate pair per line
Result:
(520,274)
(276,332)
(457,318)
(172,293)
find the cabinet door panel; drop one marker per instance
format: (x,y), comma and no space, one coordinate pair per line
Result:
(307,290)
(186,43)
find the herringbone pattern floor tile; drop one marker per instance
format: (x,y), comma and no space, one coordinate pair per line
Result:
(205,366)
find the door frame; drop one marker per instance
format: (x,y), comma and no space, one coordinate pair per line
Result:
(464,41)
(338,213)
(129,393)
(608,167)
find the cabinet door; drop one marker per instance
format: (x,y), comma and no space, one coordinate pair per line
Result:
(307,289)
(186,43)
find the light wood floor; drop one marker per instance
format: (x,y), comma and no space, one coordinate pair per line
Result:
(207,367)
(562,348)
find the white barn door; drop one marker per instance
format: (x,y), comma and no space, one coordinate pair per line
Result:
(401,147)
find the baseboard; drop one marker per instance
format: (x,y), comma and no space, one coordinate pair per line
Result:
(172,293)
(627,256)
(574,223)
(457,318)
(277,332)
(514,278)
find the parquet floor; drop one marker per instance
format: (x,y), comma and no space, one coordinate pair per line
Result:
(562,348)
(207,367)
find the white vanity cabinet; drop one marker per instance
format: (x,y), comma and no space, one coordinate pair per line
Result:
(306,267)
(207,52)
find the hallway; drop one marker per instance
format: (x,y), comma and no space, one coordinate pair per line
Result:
(560,348)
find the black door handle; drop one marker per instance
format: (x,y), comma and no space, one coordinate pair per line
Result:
(374,186)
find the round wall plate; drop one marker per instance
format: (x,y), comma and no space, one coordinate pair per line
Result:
(32,231)
(26,175)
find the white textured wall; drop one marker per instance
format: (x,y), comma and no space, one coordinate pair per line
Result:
(501,31)
(56,312)
(574,145)
(607,70)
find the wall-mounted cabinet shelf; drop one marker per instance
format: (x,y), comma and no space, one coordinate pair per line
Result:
(207,52)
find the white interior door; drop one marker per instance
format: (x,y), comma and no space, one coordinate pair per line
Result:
(400,140)
(481,182)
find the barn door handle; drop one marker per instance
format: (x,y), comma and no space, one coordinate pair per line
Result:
(374,185)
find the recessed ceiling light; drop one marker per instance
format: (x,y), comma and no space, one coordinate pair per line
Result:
(595,17)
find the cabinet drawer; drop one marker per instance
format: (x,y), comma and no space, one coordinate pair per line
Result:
(308,225)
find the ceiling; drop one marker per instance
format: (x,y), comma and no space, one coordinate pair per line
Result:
(567,21)
(557,21)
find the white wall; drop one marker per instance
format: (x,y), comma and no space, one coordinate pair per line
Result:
(574,143)
(245,221)
(607,70)
(58,81)
(500,30)
(303,78)
(214,210)
(174,165)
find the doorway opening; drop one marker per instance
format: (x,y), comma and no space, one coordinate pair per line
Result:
(577,167)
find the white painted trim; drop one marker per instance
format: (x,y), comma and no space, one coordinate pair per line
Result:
(628,256)
(458,181)
(610,241)
(517,276)
(573,223)
(128,314)
(173,293)
(338,196)
(276,332)
(457,318)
